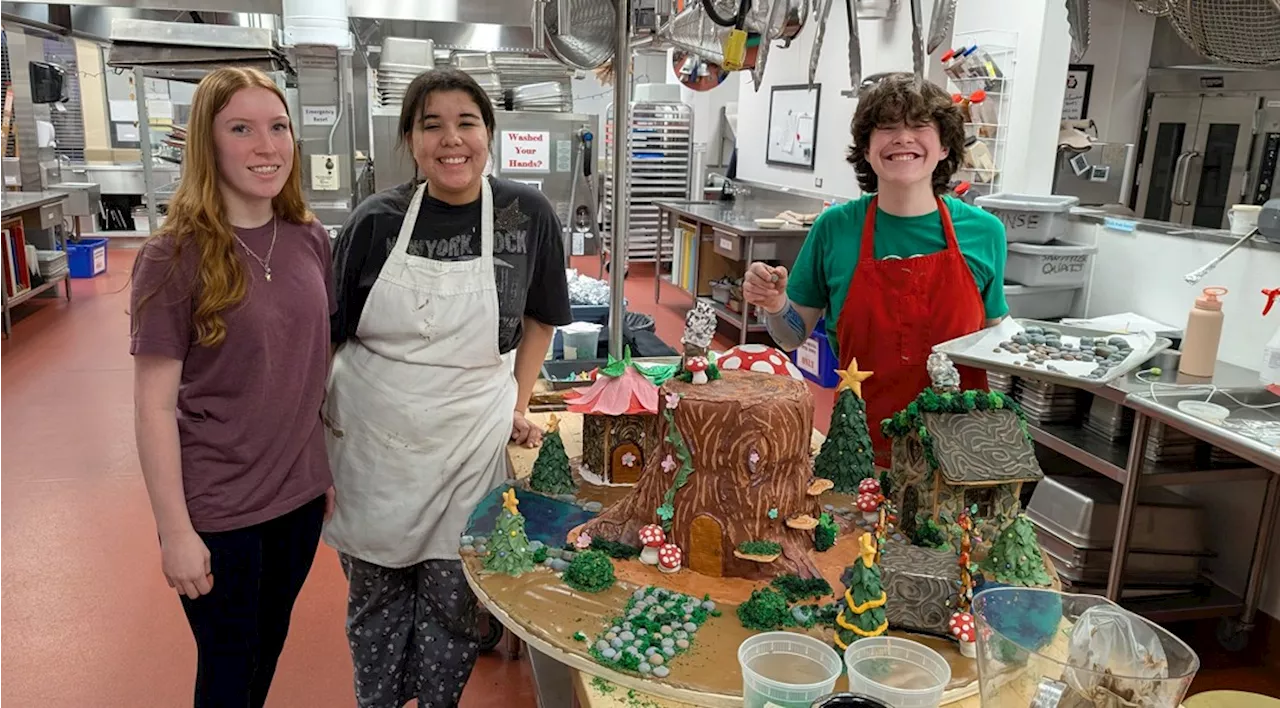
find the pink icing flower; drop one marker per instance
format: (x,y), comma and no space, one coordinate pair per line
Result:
(673,399)
(583,541)
(754,458)
(669,464)
(629,459)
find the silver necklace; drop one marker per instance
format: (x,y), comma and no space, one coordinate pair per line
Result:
(265,263)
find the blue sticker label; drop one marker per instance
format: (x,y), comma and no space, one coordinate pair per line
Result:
(1119,224)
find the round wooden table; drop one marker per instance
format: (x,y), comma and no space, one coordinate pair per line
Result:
(707,675)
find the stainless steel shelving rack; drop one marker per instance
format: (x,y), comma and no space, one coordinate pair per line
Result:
(1126,463)
(660,154)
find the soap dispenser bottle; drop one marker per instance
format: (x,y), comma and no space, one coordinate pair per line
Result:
(1204,331)
(1270,372)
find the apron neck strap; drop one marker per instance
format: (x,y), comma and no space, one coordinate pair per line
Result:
(486,218)
(867,250)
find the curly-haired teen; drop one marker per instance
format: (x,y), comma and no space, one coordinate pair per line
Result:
(901,268)
(230,335)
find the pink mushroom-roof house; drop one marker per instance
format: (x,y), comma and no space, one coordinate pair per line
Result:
(619,421)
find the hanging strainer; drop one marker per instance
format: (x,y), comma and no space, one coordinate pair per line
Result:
(586,41)
(1239,32)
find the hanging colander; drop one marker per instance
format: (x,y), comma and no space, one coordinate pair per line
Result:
(1238,32)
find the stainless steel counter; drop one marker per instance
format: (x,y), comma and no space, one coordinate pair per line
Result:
(15,203)
(1097,216)
(735,236)
(734,217)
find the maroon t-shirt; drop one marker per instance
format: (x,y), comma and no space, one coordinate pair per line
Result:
(249,409)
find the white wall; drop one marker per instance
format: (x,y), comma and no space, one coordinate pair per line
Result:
(886,46)
(1156,290)
(1120,52)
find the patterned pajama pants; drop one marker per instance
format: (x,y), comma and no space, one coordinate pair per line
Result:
(412,632)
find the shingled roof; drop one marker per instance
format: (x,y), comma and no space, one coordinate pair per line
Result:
(982,447)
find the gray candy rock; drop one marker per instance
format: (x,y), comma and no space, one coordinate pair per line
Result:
(669,651)
(610,636)
(638,595)
(468,548)
(593,507)
(681,634)
(608,653)
(657,660)
(661,671)
(467,540)
(535,545)
(668,642)
(690,627)
(568,555)
(682,643)
(559,564)
(616,643)
(481,549)
(645,667)
(549,562)
(602,645)
(650,651)
(627,636)
(553,552)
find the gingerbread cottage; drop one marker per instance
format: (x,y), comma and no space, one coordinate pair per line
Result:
(619,422)
(955,450)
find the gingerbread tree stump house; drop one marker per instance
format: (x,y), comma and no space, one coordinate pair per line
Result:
(729,452)
(619,421)
(955,450)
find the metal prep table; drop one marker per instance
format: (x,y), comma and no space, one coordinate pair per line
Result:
(1126,463)
(734,234)
(39,211)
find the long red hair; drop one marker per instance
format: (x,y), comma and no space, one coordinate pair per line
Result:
(197,215)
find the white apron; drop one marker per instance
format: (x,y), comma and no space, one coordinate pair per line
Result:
(420,405)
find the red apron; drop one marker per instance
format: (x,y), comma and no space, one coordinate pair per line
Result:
(895,312)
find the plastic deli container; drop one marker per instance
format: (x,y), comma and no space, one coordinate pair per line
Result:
(1029,218)
(786,670)
(1040,303)
(900,672)
(1057,263)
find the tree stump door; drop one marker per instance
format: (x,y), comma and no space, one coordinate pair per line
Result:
(706,547)
(620,471)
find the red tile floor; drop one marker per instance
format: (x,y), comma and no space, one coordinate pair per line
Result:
(88,618)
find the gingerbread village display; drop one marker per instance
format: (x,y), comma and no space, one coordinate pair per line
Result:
(723,486)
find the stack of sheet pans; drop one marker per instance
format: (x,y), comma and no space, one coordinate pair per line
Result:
(1109,420)
(1047,402)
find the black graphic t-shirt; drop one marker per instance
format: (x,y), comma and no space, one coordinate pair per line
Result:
(528,253)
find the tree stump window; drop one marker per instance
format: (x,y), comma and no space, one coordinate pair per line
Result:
(984,497)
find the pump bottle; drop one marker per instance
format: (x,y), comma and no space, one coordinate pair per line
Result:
(1203,333)
(1270,370)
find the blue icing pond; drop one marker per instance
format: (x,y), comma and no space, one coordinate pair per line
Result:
(545,519)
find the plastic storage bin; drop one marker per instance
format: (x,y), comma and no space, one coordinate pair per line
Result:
(900,672)
(815,359)
(1040,303)
(1057,263)
(1029,218)
(87,258)
(786,670)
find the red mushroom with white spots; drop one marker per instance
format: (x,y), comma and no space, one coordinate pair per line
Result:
(669,557)
(652,538)
(698,365)
(758,357)
(965,631)
(869,505)
(870,485)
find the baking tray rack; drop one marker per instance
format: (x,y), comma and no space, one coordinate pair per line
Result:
(963,350)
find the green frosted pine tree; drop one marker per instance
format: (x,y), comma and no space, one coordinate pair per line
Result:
(509,550)
(846,457)
(551,473)
(1015,557)
(862,609)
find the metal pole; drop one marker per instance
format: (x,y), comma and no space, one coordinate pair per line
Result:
(144,147)
(621,153)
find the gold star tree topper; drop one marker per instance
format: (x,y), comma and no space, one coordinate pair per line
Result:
(868,545)
(852,379)
(509,501)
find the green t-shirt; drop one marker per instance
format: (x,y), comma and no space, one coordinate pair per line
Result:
(824,268)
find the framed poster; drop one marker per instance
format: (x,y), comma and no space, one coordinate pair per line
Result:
(1075,103)
(793,125)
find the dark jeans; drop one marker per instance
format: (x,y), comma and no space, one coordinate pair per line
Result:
(240,626)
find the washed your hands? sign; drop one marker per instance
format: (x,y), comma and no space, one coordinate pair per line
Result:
(526,151)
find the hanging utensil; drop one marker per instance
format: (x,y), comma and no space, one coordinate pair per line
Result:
(944,16)
(824,11)
(1078,24)
(917,43)
(855,45)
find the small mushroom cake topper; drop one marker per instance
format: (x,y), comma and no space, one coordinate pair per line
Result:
(697,365)
(699,328)
(942,372)
(653,538)
(965,631)
(669,558)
